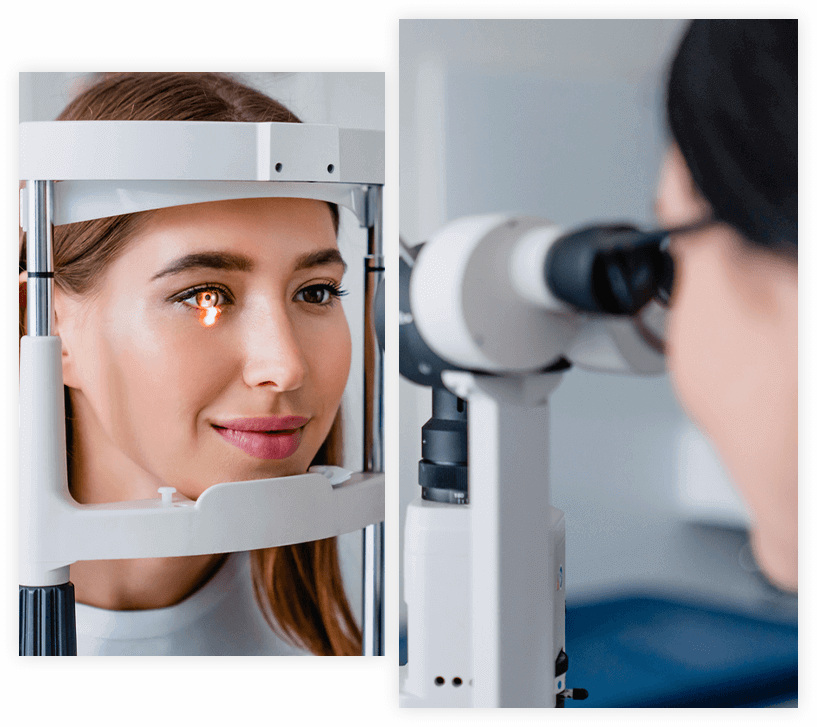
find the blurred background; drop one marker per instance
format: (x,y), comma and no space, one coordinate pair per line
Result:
(346,100)
(564,119)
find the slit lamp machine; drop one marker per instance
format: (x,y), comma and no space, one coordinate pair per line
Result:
(108,168)
(494,311)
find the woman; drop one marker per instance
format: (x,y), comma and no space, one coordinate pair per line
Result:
(732,329)
(201,344)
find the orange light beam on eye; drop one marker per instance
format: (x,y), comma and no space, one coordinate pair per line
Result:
(208,310)
(208,316)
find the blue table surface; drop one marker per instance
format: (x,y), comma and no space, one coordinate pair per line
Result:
(644,651)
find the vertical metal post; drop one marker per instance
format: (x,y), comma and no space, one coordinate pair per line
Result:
(47,608)
(373,449)
(39,259)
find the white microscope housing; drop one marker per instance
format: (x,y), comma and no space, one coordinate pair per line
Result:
(485,581)
(480,301)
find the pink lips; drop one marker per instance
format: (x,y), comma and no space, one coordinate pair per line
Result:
(264,437)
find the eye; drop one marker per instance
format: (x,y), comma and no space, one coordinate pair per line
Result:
(208,300)
(204,298)
(323,294)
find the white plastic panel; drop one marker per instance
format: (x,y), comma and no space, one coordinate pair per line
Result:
(80,200)
(227,517)
(362,156)
(199,150)
(438,596)
(436,290)
(466,305)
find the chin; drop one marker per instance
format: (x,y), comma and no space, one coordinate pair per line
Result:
(262,471)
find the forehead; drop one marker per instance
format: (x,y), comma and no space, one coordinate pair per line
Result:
(276,229)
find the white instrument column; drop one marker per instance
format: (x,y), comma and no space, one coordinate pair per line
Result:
(511,579)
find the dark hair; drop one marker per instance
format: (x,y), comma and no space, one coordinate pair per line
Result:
(299,587)
(732,110)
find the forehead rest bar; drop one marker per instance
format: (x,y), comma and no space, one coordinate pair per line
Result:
(81,200)
(200,151)
(117,167)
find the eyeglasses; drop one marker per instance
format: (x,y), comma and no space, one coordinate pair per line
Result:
(650,320)
(617,269)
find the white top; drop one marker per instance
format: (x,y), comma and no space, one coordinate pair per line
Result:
(220,619)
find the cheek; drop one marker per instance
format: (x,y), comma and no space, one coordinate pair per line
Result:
(703,340)
(161,376)
(330,353)
(735,372)
(683,356)
(190,370)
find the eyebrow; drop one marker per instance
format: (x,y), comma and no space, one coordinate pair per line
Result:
(241,263)
(213,260)
(329,256)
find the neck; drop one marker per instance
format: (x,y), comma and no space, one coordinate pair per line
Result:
(141,583)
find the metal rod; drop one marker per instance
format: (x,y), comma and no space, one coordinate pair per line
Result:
(373,590)
(373,449)
(40,259)
(47,612)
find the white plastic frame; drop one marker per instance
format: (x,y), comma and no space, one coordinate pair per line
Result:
(128,166)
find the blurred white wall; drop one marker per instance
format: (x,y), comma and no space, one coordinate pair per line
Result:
(561,119)
(347,100)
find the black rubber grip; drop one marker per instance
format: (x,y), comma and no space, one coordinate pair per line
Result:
(48,622)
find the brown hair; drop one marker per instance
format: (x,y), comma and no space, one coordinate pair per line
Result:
(299,587)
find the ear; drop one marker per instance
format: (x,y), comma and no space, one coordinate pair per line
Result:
(69,376)
(678,200)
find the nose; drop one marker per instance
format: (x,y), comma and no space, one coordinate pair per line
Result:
(274,355)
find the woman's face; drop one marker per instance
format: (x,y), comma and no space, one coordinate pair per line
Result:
(732,359)
(216,349)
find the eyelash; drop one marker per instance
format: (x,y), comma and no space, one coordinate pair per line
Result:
(334,290)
